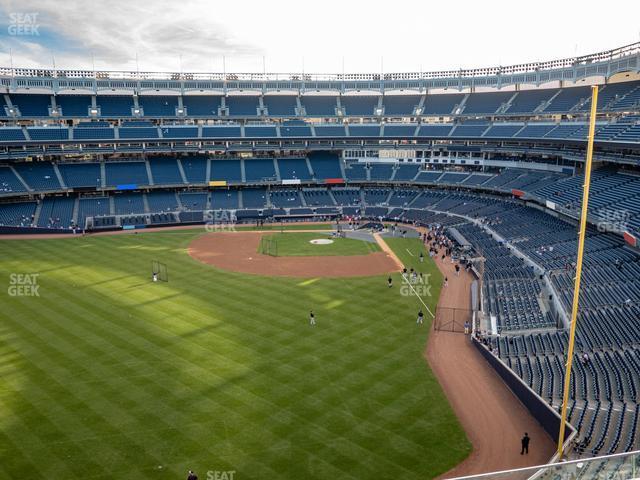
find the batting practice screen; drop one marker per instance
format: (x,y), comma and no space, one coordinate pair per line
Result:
(159,269)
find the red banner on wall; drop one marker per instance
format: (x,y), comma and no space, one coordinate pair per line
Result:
(334,180)
(630,239)
(517,193)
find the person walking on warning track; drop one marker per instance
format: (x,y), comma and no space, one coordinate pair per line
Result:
(420,319)
(446,281)
(525,444)
(312,318)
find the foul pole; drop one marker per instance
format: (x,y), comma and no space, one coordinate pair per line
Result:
(576,288)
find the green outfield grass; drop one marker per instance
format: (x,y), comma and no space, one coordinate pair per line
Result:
(297,245)
(106,375)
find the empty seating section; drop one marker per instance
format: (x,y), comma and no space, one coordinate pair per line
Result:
(8,134)
(295,131)
(330,131)
(74,105)
(114,106)
(126,173)
(162,202)
(399,130)
(56,212)
(48,133)
(364,130)
(217,132)
(259,170)
(193,201)
(442,104)
(202,105)
(280,105)
(319,105)
(534,130)
(78,175)
(226,170)
(254,198)
(488,102)
(325,165)
(401,105)
(317,197)
(567,99)
(179,132)
(245,105)
(165,171)
(260,132)
(285,198)
(224,199)
(381,171)
(17,214)
(138,133)
(293,169)
(9,183)
(158,106)
(469,130)
(503,131)
(92,207)
(356,171)
(195,169)
(128,203)
(434,131)
(406,172)
(355,105)
(31,105)
(38,175)
(94,133)
(528,101)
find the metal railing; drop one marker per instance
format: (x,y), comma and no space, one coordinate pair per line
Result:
(565,63)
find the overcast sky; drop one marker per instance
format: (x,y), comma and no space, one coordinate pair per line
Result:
(374,35)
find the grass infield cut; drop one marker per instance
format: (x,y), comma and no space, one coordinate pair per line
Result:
(298,245)
(114,376)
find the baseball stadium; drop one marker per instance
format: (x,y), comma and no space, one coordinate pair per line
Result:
(392,275)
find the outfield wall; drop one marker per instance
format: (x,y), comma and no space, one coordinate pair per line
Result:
(537,406)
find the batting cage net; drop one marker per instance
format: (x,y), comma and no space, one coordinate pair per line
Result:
(269,246)
(159,271)
(453,319)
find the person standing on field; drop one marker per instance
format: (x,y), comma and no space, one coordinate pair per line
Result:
(420,319)
(312,318)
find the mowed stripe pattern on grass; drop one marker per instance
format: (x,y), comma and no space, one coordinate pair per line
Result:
(114,376)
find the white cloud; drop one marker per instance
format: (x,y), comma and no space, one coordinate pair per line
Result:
(409,34)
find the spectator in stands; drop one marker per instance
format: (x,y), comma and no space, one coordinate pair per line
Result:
(585,358)
(525,444)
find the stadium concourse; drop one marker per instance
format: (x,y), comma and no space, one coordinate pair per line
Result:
(493,157)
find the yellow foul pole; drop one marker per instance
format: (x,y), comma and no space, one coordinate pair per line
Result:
(576,289)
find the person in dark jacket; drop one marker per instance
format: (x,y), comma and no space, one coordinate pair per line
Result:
(525,444)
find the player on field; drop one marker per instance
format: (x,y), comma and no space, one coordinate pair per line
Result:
(420,319)
(312,318)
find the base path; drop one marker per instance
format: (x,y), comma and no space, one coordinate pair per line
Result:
(491,415)
(238,252)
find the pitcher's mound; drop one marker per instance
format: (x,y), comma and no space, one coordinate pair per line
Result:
(237,252)
(321,241)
